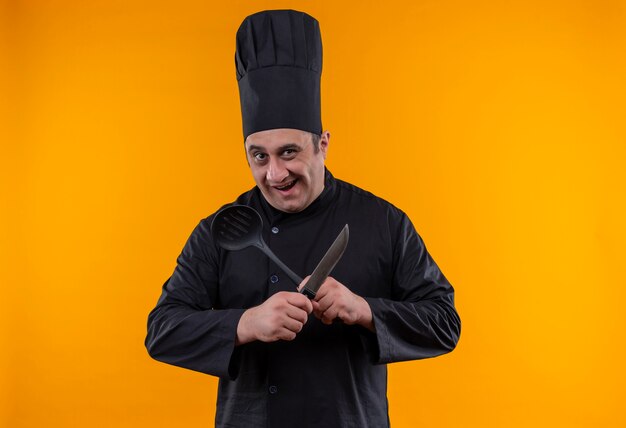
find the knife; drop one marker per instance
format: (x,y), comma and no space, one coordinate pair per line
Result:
(326,265)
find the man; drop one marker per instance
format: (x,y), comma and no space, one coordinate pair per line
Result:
(284,360)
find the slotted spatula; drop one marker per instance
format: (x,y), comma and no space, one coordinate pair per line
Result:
(239,226)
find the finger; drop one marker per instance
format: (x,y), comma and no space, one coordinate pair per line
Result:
(328,286)
(286,334)
(300,301)
(322,291)
(303,283)
(329,315)
(326,302)
(297,314)
(292,325)
(316,310)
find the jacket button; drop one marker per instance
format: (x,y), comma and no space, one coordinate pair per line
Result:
(275,230)
(274,279)
(273,389)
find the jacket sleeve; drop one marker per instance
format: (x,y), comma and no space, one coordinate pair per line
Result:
(185,329)
(419,320)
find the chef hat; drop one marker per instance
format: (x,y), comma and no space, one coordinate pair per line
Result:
(279,64)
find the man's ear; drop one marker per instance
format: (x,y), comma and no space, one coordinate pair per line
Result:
(324,142)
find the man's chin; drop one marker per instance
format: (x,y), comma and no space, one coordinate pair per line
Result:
(288,207)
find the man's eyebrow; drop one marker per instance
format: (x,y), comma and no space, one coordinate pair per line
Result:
(288,146)
(253,147)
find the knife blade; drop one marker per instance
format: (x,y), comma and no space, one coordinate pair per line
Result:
(326,265)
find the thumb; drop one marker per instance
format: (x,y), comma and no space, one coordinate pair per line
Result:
(303,283)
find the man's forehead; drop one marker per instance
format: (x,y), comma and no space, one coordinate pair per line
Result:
(277,138)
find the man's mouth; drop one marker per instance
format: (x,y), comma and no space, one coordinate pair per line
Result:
(286,186)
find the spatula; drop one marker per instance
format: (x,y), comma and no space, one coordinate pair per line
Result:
(239,226)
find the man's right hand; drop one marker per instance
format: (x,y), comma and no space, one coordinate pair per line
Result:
(280,317)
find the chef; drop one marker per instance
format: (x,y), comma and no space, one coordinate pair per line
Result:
(284,360)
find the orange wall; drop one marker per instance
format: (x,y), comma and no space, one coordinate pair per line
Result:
(497,126)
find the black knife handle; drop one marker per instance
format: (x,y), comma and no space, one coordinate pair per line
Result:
(308,293)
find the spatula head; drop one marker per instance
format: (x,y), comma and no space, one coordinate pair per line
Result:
(237,227)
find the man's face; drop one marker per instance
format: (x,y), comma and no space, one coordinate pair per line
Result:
(286,167)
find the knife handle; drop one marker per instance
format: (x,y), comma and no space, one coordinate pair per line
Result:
(308,293)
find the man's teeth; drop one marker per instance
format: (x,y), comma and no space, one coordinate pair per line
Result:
(286,186)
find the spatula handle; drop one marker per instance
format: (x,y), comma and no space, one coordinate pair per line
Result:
(269,253)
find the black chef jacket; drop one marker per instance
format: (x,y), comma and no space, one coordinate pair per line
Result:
(330,375)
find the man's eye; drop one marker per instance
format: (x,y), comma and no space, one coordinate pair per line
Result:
(289,152)
(260,156)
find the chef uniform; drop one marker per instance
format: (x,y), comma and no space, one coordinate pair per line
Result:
(330,375)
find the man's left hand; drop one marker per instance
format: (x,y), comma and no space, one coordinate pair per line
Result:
(334,300)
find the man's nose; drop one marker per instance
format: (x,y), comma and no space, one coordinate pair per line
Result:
(276,171)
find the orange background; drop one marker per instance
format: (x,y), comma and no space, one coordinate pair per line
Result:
(497,126)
